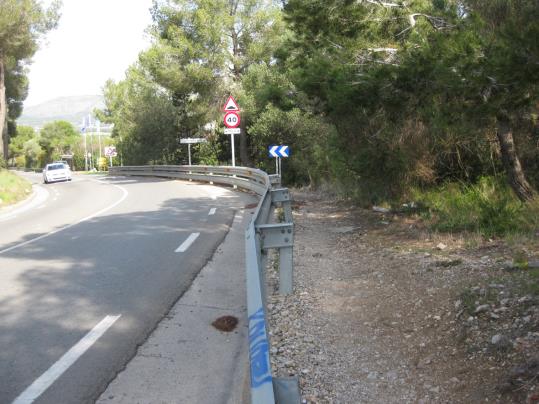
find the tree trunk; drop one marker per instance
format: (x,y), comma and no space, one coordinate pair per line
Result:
(515,175)
(244,150)
(3,112)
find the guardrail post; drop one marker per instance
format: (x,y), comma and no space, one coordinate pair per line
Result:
(280,236)
(282,196)
(286,270)
(275,179)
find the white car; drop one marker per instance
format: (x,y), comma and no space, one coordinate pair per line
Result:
(56,172)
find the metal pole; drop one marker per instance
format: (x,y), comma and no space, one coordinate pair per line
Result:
(276,166)
(189,150)
(280,167)
(121,154)
(91,151)
(233,151)
(99,137)
(85,154)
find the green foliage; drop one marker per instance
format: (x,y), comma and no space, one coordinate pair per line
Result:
(34,154)
(146,122)
(22,23)
(200,52)
(415,103)
(208,153)
(297,129)
(487,207)
(22,135)
(16,82)
(375,99)
(57,138)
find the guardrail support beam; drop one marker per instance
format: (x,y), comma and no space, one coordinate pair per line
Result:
(278,235)
(280,195)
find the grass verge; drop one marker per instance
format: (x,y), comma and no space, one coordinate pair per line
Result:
(488,207)
(12,188)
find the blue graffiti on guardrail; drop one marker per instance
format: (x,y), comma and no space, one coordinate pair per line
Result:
(259,350)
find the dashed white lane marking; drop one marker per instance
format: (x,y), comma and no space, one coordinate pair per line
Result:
(125,193)
(55,371)
(187,243)
(212,211)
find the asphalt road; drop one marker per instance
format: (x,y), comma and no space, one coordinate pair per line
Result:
(89,269)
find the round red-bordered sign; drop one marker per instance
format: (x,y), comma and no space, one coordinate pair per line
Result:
(232,119)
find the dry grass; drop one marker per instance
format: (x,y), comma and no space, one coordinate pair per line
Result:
(12,188)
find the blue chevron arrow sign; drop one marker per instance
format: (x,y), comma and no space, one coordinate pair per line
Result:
(278,151)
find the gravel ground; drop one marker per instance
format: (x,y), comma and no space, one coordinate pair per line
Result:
(383,312)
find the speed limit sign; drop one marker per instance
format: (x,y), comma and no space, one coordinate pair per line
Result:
(232,119)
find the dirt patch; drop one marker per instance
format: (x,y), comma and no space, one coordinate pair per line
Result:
(226,323)
(384,311)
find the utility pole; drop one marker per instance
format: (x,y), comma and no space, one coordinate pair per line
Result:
(98,127)
(83,131)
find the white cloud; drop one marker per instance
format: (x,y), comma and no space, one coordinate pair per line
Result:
(95,40)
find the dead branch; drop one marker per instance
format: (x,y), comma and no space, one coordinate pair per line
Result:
(382,3)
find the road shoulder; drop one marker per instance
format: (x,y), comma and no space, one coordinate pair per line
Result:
(186,359)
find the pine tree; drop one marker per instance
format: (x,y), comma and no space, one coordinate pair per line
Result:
(22,23)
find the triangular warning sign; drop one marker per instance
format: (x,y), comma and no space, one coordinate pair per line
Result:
(231,105)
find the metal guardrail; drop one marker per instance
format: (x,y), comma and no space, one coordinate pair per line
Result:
(261,235)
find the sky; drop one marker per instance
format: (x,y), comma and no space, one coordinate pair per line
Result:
(96,40)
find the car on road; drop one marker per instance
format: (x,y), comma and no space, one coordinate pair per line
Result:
(56,172)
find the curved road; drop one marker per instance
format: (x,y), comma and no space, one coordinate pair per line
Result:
(89,269)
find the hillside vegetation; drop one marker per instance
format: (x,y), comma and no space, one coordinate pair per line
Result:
(428,103)
(12,188)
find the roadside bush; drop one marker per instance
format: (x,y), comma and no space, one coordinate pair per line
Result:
(488,207)
(20,161)
(303,132)
(207,153)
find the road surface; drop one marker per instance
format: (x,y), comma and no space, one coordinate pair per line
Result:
(89,269)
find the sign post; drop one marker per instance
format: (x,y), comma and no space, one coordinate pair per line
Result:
(189,142)
(98,129)
(110,152)
(83,131)
(278,152)
(232,121)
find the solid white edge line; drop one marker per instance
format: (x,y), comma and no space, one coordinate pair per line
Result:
(125,193)
(55,371)
(187,243)
(212,211)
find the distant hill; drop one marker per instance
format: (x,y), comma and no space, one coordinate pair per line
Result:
(71,109)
